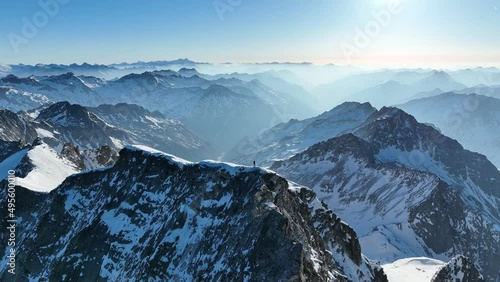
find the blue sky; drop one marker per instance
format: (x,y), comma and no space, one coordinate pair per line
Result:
(421,32)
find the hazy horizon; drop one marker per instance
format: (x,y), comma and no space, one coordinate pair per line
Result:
(263,63)
(374,34)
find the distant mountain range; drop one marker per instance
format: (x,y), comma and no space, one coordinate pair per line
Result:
(393,92)
(288,139)
(471,119)
(390,87)
(99,70)
(113,126)
(211,108)
(104,190)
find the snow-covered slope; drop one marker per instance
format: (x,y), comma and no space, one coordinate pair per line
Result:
(406,189)
(287,139)
(44,169)
(71,123)
(40,168)
(18,100)
(64,87)
(473,120)
(419,269)
(119,125)
(153,216)
(99,157)
(422,269)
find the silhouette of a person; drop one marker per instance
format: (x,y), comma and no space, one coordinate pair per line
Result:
(253,163)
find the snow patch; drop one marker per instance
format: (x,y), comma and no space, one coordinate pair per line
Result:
(418,269)
(49,170)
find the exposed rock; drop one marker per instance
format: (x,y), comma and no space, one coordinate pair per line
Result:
(459,269)
(152,216)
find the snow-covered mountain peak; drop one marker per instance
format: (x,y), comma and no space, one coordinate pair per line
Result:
(12,80)
(217,90)
(70,81)
(147,78)
(347,107)
(287,139)
(439,79)
(188,72)
(391,112)
(63,77)
(68,115)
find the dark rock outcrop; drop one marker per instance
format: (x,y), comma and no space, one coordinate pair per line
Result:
(459,269)
(154,217)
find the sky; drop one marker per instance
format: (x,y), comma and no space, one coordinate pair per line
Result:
(414,33)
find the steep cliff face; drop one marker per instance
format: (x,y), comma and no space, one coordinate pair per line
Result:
(14,128)
(153,217)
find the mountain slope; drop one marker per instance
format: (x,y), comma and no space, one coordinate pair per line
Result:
(459,269)
(106,125)
(71,123)
(17,100)
(223,116)
(117,126)
(155,130)
(406,189)
(174,216)
(438,79)
(385,94)
(40,168)
(56,88)
(472,119)
(182,95)
(286,139)
(393,92)
(15,128)
(7,148)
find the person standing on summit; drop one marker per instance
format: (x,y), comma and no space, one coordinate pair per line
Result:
(254,163)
